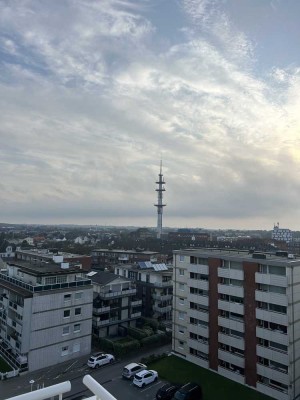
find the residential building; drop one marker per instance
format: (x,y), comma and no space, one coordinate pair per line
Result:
(53,255)
(115,305)
(282,235)
(238,314)
(102,258)
(154,286)
(45,314)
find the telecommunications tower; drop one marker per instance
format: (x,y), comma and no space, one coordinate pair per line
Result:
(160,206)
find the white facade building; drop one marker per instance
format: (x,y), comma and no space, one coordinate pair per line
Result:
(45,314)
(238,314)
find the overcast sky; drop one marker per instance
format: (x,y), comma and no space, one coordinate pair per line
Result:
(94,93)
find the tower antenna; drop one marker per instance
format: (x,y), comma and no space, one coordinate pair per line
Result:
(160,189)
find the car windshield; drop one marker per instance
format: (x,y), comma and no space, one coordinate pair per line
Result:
(139,378)
(179,396)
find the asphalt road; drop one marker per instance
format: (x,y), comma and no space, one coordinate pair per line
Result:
(108,375)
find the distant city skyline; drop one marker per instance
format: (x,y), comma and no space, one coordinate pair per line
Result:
(94,93)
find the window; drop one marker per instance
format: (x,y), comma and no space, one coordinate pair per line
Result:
(78,311)
(181,300)
(67,297)
(67,313)
(50,280)
(181,258)
(181,286)
(76,347)
(181,344)
(66,330)
(65,350)
(77,328)
(78,295)
(181,271)
(61,279)
(181,315)
(181,329)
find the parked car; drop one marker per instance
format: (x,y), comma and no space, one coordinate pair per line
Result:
(131,369)
(96,360)
(145,377)
(167,391)
(190,391)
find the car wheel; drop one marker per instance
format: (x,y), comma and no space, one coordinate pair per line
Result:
(97,366)
(143,385)
(155,379)
(111,360)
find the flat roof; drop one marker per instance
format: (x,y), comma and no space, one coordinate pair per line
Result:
(240,255)
(50,254)
(43,268)
(127,251)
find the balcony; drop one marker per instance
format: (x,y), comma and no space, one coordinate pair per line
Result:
(234,341)
(162,297)
(274,298)
(231,273)
(231,358)
(198,283)
(136,315)
(202,315)
(195,298)
(122,293)
(269,279)
(162,310)
(271,316)
(231,324)
(272,354)
(136,303)
(163,284)
(231,307)
(99,392)
(198,268)
(198,345)
(274,392)
(274,336)
(274,374)
(101,310)
(231,290)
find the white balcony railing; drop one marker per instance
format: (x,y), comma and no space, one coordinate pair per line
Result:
(99,392)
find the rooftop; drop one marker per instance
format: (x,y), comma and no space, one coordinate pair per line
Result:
(127,251)
(43,268)
(280,257)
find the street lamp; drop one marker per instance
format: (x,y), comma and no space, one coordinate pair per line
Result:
(31,384)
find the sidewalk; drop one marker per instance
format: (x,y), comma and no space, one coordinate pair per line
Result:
(61,372)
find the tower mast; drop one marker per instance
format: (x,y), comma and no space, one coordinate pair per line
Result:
(160,189)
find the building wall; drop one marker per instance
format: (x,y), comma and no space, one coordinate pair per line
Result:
(240,317)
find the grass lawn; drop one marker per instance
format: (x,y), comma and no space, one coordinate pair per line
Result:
(4,367)
(175,369)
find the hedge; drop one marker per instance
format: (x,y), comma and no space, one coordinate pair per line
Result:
(120,349)
(137,333)
(158,338)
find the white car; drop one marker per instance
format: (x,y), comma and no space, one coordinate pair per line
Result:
(96,360)
(131,369)
(145,377)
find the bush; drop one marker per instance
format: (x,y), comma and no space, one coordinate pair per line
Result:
(106,344)
(158,338)
(150,322)
(120,349)
(137,333)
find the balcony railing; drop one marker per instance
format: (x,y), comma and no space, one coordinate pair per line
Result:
(99,392)
(162,310)
(124,292)
(40,288)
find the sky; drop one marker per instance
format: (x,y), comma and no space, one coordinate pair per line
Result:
(93,94)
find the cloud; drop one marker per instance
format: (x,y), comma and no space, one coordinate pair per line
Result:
(90,103)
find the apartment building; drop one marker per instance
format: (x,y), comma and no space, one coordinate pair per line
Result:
(238,314)
(54,256)
(115,304)
(45,314)
(154,286)
(102,258)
